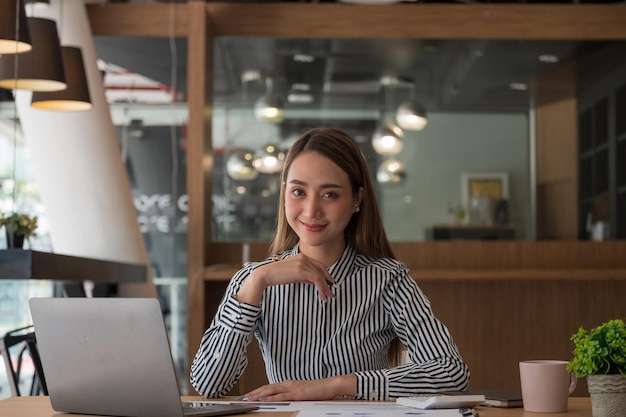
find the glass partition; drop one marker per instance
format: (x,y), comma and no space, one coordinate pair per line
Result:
(474,154)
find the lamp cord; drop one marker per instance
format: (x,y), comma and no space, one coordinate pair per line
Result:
(173,133)
(15,116)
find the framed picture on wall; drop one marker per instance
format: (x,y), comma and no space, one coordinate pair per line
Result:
(494,184)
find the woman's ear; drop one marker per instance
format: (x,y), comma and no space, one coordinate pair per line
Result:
(360,197)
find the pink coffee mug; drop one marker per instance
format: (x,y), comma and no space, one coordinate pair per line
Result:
(546,385)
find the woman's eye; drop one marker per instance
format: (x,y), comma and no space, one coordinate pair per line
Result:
(297,192)
(330,195)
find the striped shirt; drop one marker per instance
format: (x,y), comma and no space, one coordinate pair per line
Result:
(303,338)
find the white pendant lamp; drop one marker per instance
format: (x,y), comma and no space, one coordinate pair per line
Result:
(411,116)
(239,165)
(269,159)
(391,171)
(388,140)
(269,107)
(14,33)
(40,69)
(76,96)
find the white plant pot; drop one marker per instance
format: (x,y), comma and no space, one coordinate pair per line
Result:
(608,395)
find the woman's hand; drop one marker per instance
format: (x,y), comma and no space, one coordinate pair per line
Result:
(321,389)
(298,268)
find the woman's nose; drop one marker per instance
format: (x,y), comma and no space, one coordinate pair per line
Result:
(312,208)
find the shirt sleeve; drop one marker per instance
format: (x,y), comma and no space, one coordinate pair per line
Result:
(435,363)
(222,355)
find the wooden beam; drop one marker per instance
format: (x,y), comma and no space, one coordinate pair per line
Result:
(328,20)
(425,21)
(139,19)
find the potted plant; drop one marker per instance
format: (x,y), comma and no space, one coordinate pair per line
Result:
(18,226)
(600,356)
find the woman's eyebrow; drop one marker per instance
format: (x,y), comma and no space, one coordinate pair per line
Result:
(321,186)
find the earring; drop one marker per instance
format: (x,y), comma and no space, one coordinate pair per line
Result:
(356,210)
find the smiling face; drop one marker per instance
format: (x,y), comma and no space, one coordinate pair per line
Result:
(319,203)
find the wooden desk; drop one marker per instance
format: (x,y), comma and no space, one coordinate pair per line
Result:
(40,407)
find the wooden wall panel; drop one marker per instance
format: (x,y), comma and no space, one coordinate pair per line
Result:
(497,323)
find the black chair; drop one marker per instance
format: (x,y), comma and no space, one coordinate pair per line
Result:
(16,347)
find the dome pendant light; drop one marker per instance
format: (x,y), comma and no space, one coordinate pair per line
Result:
(269,108)
(269,159)
(411,115)
(239,165)
(388,139)
(391,171)
(40,69)
(14,33)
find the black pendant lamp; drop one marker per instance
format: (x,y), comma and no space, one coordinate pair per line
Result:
(40,69)
(76,96)
(14,33)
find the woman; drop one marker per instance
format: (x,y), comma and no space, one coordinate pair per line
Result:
(326,308)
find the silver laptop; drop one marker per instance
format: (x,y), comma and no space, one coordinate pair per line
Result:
(111,356)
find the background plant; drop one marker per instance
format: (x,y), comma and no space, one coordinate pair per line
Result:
(20,224)
(601,350)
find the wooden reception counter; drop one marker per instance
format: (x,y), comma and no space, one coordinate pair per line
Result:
(503,302)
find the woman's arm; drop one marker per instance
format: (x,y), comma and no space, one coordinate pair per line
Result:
(435,363)
(221,357)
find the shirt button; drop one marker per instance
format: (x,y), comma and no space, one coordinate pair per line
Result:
(217,355)
(373,395)
(234,316)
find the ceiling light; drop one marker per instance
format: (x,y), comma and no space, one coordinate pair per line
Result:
(76,96)
(391,171)
(301,87)
(300,98)
(239,166)
(305,58)
(411,116)
(548,58)
(40,69)
(388,140)
(14,33)
(518,86)
(269,159)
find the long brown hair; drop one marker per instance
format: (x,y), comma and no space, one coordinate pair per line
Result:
(365,230)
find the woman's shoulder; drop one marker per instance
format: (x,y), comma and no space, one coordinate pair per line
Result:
(382,265)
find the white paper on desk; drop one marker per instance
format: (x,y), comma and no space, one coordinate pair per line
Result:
(353,409)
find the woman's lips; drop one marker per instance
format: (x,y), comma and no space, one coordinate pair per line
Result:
(313,227)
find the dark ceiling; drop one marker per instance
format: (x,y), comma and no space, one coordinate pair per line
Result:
(445,75)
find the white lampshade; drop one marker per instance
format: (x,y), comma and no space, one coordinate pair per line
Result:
(269,109)
(411,115)
(388,140)
(391,171)
(269,159)
(239,165)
